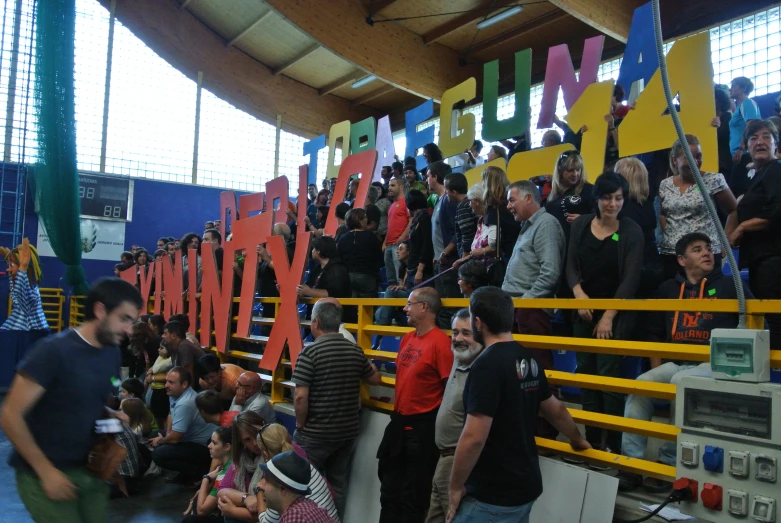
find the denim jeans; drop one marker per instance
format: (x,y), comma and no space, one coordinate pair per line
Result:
(473,510)
(332,459)
(392,265)
(385,314)
(642,408)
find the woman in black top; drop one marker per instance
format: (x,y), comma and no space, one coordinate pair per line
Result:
(333,278)
(640,208)
(571,195)
(604,260)
(495,185)
(757,230)
(420,265)
(361,251)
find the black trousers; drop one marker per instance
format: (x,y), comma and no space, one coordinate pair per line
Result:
(764,278)
(188,458)
(407,461)
(447,287)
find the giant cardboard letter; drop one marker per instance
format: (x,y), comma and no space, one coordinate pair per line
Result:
(449,143)
(159,286)
(172,284)
(417,139)
(475,175)
(648,129)
(494,129)
(640,60)
(561,73)
(362,163)
(229,211)
(528,164)
(338,131)
(216,295)
(385,148)
(590,110)
(312,147)
(192,290)
(145,277)
(362,135)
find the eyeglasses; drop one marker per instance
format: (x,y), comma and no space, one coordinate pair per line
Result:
(263,445)
(411,303)
(567,154)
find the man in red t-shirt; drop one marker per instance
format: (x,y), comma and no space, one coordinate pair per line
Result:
(408,455)
(398,230)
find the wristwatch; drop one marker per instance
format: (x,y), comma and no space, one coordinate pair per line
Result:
(244,499)
(206,476)
(256,489)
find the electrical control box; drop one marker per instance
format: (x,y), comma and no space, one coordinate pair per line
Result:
(740,355)
(730,443)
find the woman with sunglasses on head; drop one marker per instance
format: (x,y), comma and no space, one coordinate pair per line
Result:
(203,506)
(236,498)
(604,260)
(571,195)
(683,209)
(274,439)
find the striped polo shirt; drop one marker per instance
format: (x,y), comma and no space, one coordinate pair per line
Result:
(27,313)
(332,368)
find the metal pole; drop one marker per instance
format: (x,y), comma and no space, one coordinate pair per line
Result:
(197,127)
(107,88)
(9,106)
(276,146)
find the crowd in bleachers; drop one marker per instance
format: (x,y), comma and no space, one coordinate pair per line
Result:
(630,232)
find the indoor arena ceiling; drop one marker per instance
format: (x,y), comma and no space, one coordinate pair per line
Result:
(306,59)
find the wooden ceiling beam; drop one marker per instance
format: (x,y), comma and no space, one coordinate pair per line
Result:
(465,19)
(611,17)
(341,82)
(250,28)
(188,45)
(377,5)
(386,50)
(293,61)
(374,94)
(521,30)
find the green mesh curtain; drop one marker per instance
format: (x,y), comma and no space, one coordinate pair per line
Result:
(56,180)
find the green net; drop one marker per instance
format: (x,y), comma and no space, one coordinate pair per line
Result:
(56,179)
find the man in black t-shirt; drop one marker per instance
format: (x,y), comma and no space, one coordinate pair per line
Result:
(60,391)
(496,464)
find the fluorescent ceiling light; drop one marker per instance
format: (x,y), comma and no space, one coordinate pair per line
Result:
(363,81)
(499,17)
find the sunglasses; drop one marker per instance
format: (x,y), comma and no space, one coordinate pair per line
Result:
(263,445)
(567,154)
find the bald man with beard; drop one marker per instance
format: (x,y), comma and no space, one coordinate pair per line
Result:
(250,397)
(451,415)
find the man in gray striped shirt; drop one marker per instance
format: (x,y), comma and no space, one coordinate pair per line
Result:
(328,376)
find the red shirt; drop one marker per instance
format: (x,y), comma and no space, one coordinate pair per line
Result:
(398,218)
(423,362)
(226,418)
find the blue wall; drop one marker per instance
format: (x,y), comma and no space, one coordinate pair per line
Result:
(159,209)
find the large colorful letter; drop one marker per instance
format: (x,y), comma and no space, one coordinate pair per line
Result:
(450,142)
(159,287)
(561,73)
(475,175)
(362,163)
(385,147)
(417,139)
(338,131)
(172,284)
(590,110)
(229,211)
(312,147)
(537,162)
(640,60)
(494,129)
(362,135)
(215,295)
(648,129)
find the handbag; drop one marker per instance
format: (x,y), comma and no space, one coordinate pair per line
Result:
(105,456)
(498,268)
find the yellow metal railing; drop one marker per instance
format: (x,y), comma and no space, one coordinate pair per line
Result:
(364,329)
(52,301)
(76,311)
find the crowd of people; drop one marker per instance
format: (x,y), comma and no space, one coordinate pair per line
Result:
(460,442)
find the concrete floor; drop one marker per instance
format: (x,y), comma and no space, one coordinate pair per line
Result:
(158,502)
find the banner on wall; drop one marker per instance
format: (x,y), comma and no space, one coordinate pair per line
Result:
(100,240)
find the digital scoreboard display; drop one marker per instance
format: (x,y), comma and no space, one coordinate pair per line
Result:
(106,197)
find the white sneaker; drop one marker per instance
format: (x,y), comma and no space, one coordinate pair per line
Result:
(153,470)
